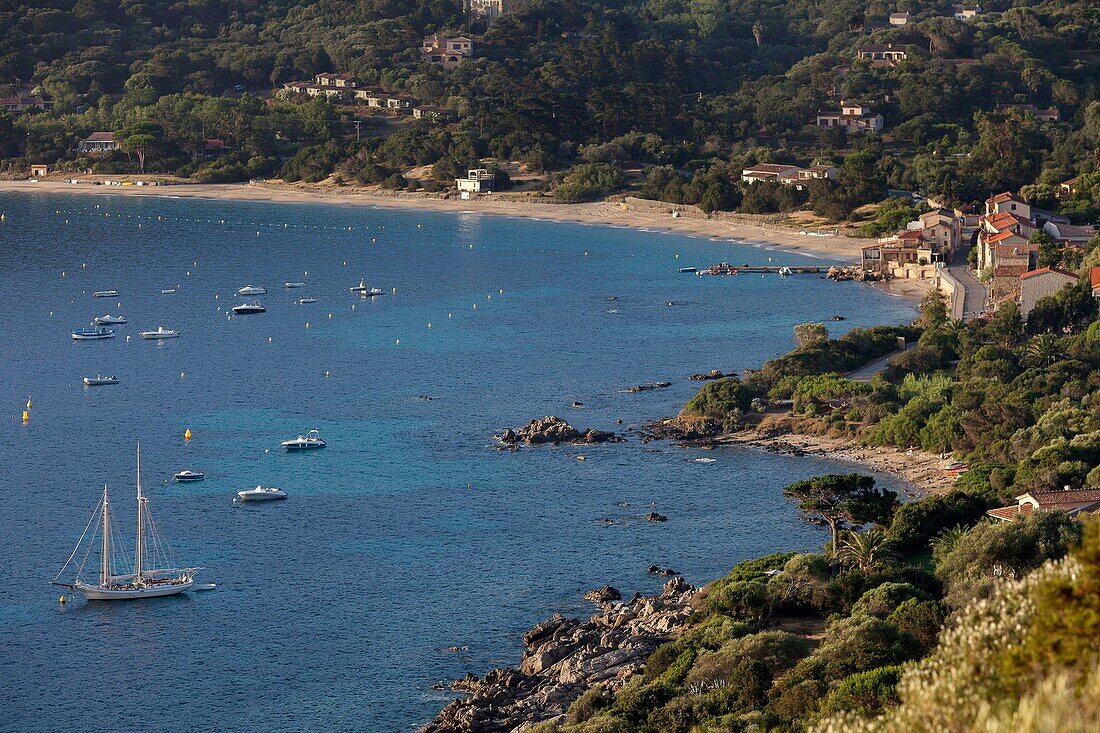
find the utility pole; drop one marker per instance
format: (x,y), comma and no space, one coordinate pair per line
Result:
(357,130)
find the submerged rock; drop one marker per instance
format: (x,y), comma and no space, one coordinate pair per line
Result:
(712,374)
(655,517)
(647,386)
(554,430)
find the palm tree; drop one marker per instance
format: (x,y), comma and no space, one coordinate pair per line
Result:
(1043,350)
(865,550)
(948,540)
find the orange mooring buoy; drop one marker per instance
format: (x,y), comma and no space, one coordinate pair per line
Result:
(187,434)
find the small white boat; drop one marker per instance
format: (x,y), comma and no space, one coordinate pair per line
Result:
(252,290)
(105,294)
(362,289)
(160,333)
(98,381)
(784,271)
(93,334)
(295,285)
(304,301)
(108,319)
(309,441)
(188,476)
(246,308)
(261,493)
(167,291)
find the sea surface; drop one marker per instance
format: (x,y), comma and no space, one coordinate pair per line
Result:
(410,551)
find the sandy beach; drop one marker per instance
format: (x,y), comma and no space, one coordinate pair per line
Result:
(922,472)
(648,216)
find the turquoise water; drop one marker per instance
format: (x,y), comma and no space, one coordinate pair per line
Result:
(410,534)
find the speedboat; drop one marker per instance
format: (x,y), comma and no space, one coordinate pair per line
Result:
(186,476)
(304,301)
(167,291)
(261,493)
(108,320)
(161,333)
(97,381)
(105,294)
(309,441)
(93,334)
(253,307)
(252,290)
(362,289)
(295,285)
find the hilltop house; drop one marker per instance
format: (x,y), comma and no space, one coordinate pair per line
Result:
(477,180)
(340,81)
(854,116)
(767,172)
(490,10)
(1094,280)
(433,114)
(1038,284)
(17,104)
(1043,115)
(1068,189)
(446,51)
(899,19)
(887,53)
(332,86)
(966,12)
(98,142)
(1070,501)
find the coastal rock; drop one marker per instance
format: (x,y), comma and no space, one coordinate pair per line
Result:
(712,374)
(681,428)
(565,657)
(647,386)
(853,272)
(601,596)
(658,570)
(554,430)
(655,517)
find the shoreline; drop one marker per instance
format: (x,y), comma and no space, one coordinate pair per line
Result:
(605,213)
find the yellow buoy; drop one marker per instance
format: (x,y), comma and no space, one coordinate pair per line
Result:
(187,434)
(61,600)
(26,416)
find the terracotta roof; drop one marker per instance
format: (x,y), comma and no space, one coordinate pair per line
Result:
(1074,496)
(1008,513)
(1071,181)
(776,168)
(1009,270)
(1045,270)
(1003,235)
(1002,197)
(1004,217)
(1094,276)
(911,234)
(100,137)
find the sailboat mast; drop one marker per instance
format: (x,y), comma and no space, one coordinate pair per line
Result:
(105,570)
(140,520)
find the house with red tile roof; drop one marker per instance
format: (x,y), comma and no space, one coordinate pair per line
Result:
(1038,284)
(1009,202)
(1067,189)
(1070,501)
(1094,279)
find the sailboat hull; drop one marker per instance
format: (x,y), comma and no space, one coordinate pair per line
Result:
(95,593)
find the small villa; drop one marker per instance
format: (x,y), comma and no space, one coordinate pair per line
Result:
(1069,501)
(853,116)
(477,180)
(98,142)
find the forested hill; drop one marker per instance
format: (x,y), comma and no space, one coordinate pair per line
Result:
(686,83)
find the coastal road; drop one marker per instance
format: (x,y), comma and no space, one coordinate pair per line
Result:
(975,294)
(867,371)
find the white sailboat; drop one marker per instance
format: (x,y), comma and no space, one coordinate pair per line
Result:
(152,575)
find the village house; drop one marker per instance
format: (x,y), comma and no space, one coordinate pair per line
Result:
(768,172)
(942,231)
(400,102)
(477,180)
(904,255)
(853,116)
(18,104)
(98,142)
(899,19)
(1094,280)
(1038,284)
(1043,115)
(340,81)
(372,97)
(433,114)
(490,10)
(332,86)
(1077,236)
(966,12)
(1069,501)
(1009,202)
(447,51)
(1068,189)
(887,53)
(211,147)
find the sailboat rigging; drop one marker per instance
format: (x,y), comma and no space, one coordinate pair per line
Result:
(152,572)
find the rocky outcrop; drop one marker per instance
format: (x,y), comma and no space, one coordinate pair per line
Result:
(646,387)
(681,428)
(853,272)
(603,596)
(655,517)
(563,658)
(712,374)
(554,430)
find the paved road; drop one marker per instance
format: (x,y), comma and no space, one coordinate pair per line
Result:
(975,294)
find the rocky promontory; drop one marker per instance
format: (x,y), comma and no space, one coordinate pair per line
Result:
(553,430)
(564,657)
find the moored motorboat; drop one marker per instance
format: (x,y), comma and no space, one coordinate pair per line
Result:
(98,381)
(309,441)
(188,476)
(252,290)
(298,284)
(261,493)
(246,308)
(152,576)
(362,289)
(160,333)
(93,334)
(167,291)
(304,301)
(105,294)
(108,319)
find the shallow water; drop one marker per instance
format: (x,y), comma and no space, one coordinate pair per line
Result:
(410,533)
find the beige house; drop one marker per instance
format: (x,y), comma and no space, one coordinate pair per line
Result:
(1007,202)
(98,142)
(490,10)
(903,255)
(942,232)
(966,12)
(477,180)
(888,53)
(446,51)
(899,19)
(1070,501)
(1038,284)
(40,170)
(853,116)
(433,114)
(768,172)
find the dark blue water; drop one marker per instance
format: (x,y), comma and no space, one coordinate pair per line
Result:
(409,534)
